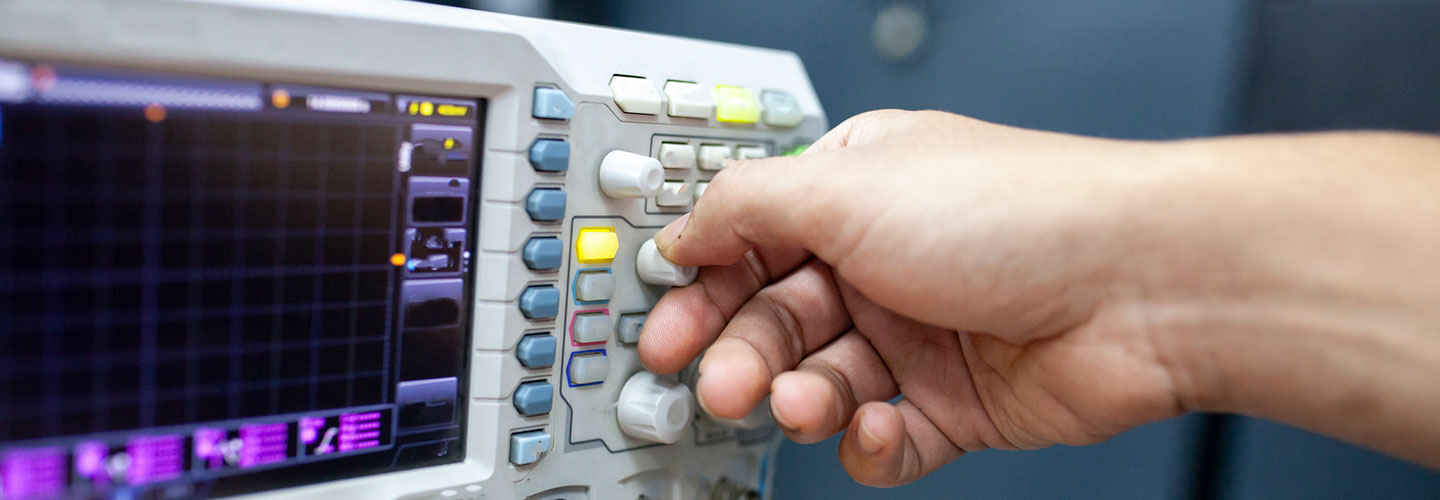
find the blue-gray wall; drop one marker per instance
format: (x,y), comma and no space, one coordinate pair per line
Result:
(1153,461)
(1123,68)
(1265,460)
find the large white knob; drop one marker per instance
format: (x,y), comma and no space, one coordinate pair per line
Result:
(628,175)
(654,409)
(655,270)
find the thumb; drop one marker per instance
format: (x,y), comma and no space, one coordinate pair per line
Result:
(774,202)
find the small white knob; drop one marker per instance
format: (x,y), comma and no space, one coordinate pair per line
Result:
(628,175)
(654,409)
(655,270)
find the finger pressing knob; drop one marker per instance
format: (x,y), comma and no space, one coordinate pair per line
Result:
(654,269)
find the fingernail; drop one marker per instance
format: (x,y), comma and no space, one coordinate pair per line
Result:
(780,417)
(699,400)
(869,442)
(671,232)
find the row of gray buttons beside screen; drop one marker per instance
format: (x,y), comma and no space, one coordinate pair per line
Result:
(541,254)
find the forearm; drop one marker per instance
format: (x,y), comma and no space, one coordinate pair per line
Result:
(1297,278)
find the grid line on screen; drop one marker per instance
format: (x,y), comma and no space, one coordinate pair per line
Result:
(192,288)
(282,178)
(150,289)
(7,274)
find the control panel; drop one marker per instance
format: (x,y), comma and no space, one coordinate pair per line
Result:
(366,249)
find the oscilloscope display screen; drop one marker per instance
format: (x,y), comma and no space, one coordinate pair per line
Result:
(211,287)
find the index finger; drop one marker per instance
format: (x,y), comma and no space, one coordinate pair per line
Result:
(689,318)
(786,202)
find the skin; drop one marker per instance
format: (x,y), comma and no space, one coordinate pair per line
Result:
(1023,288)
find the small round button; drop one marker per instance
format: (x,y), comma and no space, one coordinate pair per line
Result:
(654,409)
(655,270)
(629,175)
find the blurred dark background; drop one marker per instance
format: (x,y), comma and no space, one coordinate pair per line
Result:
(1150,69)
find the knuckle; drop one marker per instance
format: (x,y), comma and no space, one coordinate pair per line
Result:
(784,320)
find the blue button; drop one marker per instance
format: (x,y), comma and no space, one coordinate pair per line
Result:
(551,103)
(546,204)
(533,398)
(527,447)
(536,351)
(550,155)
(543,254)
(540,302)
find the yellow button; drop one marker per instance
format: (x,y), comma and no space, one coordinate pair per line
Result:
(735,104)
(596,245)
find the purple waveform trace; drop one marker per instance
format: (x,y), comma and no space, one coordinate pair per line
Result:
(33,473)
(155,458)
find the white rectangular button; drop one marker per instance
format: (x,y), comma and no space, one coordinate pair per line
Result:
(677,155)
(594,286)
(700,189)
(591,327)
(712,156)
(689,100)
(630,326)
(589,368)
(781,109)
(634,94)
(749,152)
(673,194)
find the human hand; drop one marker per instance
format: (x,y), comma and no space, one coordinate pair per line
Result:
(970,267)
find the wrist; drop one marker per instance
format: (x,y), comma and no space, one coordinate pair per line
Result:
(1280,278)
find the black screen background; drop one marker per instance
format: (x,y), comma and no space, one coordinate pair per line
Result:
(191,270)
(211,266)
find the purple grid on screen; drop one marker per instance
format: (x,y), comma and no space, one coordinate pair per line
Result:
(308,278)
(32,474)
(359,431)
(155,458)
(264,444)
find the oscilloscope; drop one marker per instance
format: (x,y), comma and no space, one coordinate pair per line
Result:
(359,249)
